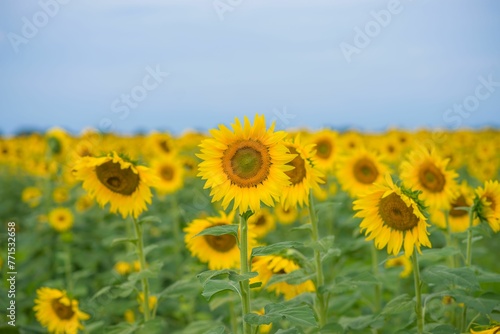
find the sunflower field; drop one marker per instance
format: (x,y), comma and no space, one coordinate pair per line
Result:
(250,229)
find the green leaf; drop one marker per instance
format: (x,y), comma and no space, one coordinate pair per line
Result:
(451,277)
(123,328)
(302,227)
(358,323)
(185,287)
(213,287)
(296,314)
(276,248)
(488,277)
(400,304)
(255,285)
(149,219)
(292,330)
(146,273)
(438,254)
(324,244)
(123,240)
(352,281)
(232,275)
(216,330)
(441,329)
(200,326)
(220,230)
(483,304)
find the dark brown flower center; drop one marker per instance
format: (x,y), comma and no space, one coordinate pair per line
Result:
(299,172)
(431,178)
(394,212)
(167,173)
(459,202)
(324,148)
(260,221)
(365,171)
(164,146)
(63,312)
(221,243)
(492,202)
(246,163)
(121,181)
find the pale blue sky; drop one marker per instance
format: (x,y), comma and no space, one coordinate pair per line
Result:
(228,58)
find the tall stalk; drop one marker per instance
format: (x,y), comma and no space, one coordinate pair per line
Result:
(320,298)
(142,260)
(418,292)
(244,269)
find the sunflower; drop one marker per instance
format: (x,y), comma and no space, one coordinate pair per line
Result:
(326,148)
(287,216)
(122,268)
(267,266)
(56,311)
(129,316)
(400,261)
(424,170)
(152,301)
(121,183)
(489,204)
(358,171)
(492,330)
(83,203)
(393,216)
(303,177)
(220,252)
(261,223)
(246,165)
(32,196)
(170,175)
(61,219)
(457,218)
(60,195)
(162,144)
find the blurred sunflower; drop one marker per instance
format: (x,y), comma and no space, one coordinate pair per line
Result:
(57,312)
(261,223)
(400,261)
(424,170)
(32,196)
(457,218)
(394,217)
(122,267)
(219,252)
(84,203)
(303,177)
(287,216)
(358,171)
(117,181)
(153,300)
(493,330)
(268,266)
(326,142)
(61,219)
(489,204)
(161,144)
(246,165)
(60,195)
(170,175)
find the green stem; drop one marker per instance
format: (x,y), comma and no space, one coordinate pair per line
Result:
(320,298)
(418,292)
(468,259)
(378,290)
(142,260)
(67,269)
(244,268)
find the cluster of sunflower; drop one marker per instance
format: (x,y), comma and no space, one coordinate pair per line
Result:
(396,188)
